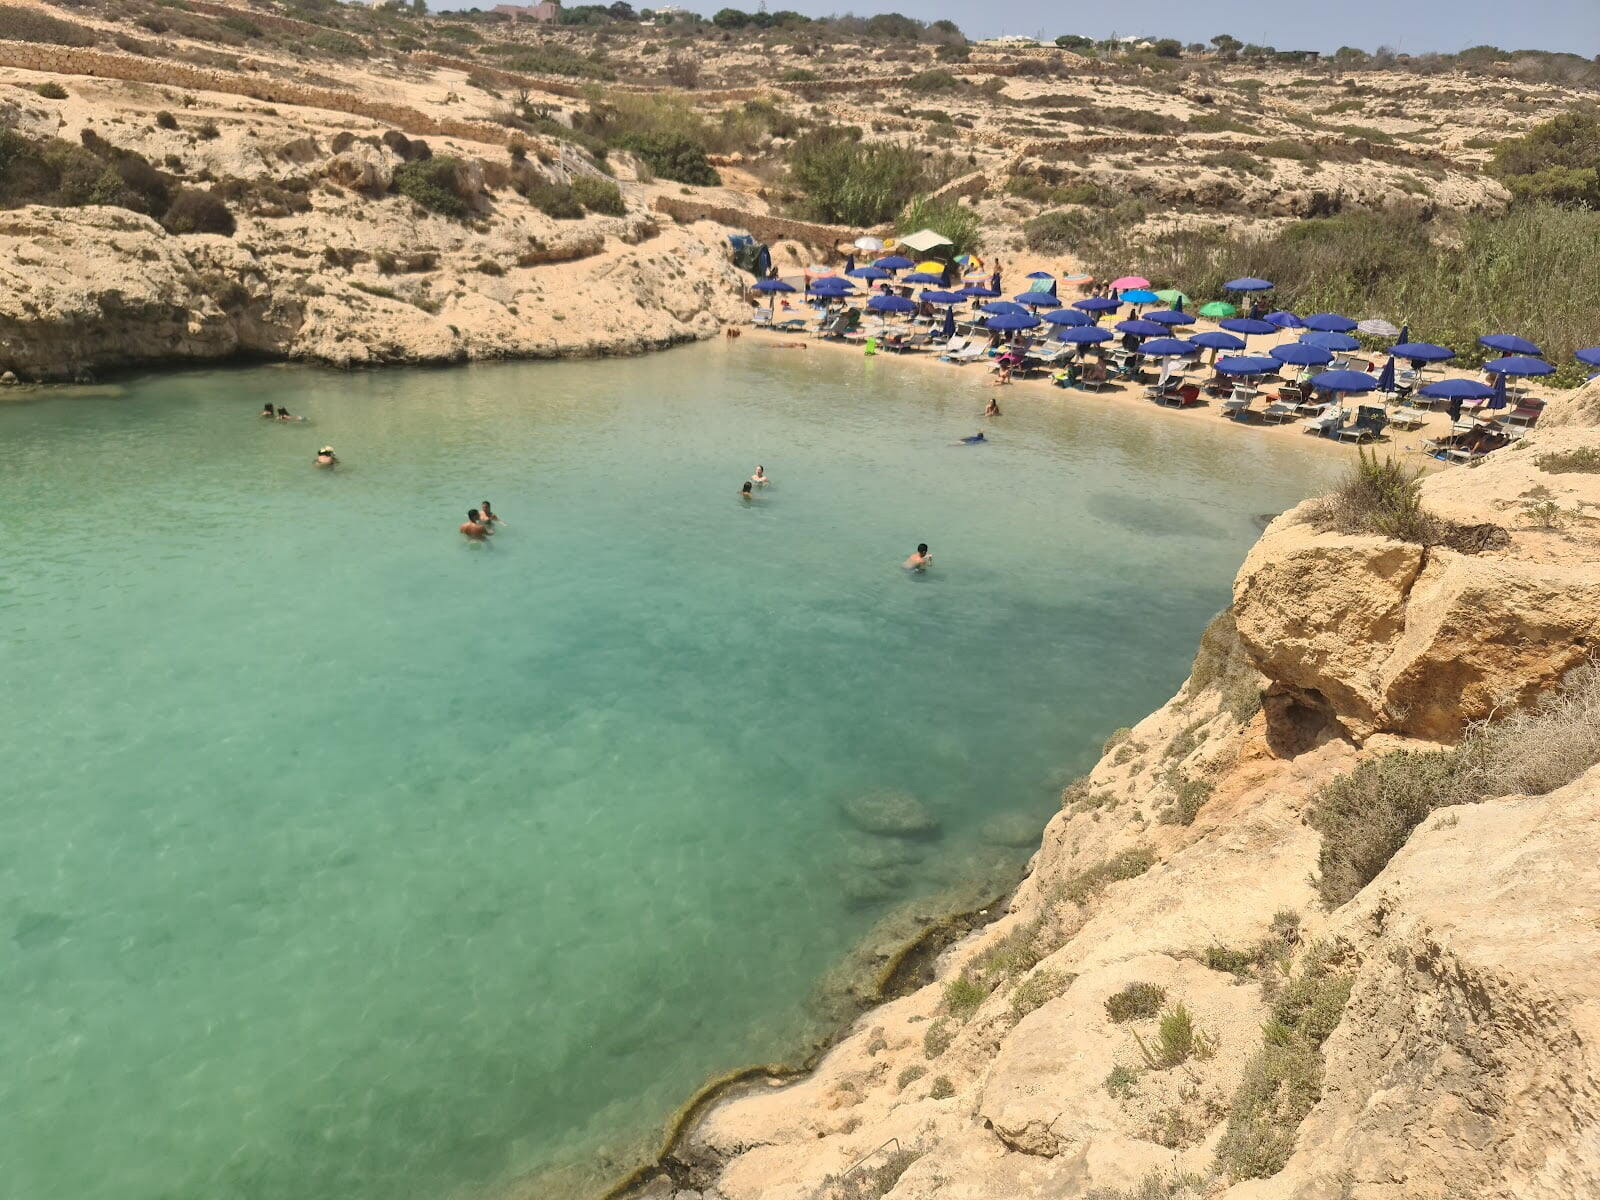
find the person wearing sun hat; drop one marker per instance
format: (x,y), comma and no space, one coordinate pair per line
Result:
(326,458)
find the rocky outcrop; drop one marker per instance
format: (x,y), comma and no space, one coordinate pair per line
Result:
(1365,634)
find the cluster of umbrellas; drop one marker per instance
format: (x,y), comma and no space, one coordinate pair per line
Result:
(1324,334)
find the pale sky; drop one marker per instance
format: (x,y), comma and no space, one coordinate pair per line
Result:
(1414,26)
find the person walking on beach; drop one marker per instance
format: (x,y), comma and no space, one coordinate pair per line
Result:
(473,527)
(920,559)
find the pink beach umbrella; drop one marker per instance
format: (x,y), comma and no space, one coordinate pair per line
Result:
(1130,281)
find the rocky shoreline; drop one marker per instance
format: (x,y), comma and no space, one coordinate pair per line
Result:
(1427,1035)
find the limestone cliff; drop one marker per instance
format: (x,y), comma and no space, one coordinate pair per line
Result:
(1438,1035)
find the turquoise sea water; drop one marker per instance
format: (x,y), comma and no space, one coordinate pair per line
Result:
(340,860)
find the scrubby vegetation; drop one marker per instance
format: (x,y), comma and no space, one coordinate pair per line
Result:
(847,180)
(35,25)
(1284,1080)
(437,184)
(1558,160)
(1365,817)
(949,217)
(1382,496)
(194,211)
(1087,885)
(871,1180)
(1136,1002)
(1223,663)
(1451,277)
(1583,459)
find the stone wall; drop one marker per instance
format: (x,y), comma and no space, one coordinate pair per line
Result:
(564,87)
(1078,147)
(72,60)
(763,226)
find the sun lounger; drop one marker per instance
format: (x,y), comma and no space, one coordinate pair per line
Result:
(1160,392)
(1526,413)
(1277,412)
(1326,424)
(971,352)
(1369,423)
(763,316)
(1406,417)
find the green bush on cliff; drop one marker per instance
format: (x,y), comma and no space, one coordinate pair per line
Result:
(1381,496)
(54,172)
(1558,160)
(598,195)
(194,211)
(434,183)
(853,182)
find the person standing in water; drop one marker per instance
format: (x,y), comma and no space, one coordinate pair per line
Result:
(474,528)
(745,493)
(489,517)
(994,408)
(920,560)
(760,477)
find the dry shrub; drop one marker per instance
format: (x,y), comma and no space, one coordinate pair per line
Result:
(1381,496)
(1366,816)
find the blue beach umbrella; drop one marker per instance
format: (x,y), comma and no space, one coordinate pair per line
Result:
(948,329)
(1002,308)
(1498,400)
(922,277)
(1247,326)
(1247,364)
(1510,343)
(933,296)
(1422,352)
(832,283)
(1167,347)
(1386,376)
(1141,329)
(1300,354)
(1067,316)
(976,291)
(1284,320)
(1329,323)
(1097,304)
(1344,381)
(1248,284)
(894,262)
(1139,296)
(882,303)
(1084,335)
(1040,275)
(867,273)
(1519,365)
(1010,321)
(1456,389)
(1037,299)
(1330,341)
(1170,316)
(772,285)
(1589,356)
(1214,339)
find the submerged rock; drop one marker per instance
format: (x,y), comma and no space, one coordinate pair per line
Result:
(1012,829)
(878,853)
(891,814)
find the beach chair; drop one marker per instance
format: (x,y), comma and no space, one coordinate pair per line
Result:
(953,346)
(1369,423)
(1407,417)
(1291,394)
(1162,392)
(971,352)
(1325,424)
(1238,403)
(1525,414)
(1186,395)
(1279,411)
(763,316)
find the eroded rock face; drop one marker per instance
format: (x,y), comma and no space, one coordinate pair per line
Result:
(83,289)
(1468,1060)
(1386,636)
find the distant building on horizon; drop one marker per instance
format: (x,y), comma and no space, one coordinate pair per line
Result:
(545,10)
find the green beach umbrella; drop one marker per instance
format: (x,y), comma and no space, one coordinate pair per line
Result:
(1218,308)
(1172,297)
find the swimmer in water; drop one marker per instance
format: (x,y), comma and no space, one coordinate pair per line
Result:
(975,440)
(326,457)
(474,528)
(745,493)
(489,517)
(994,408)
(266,411)
(921,560)
(760,477)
